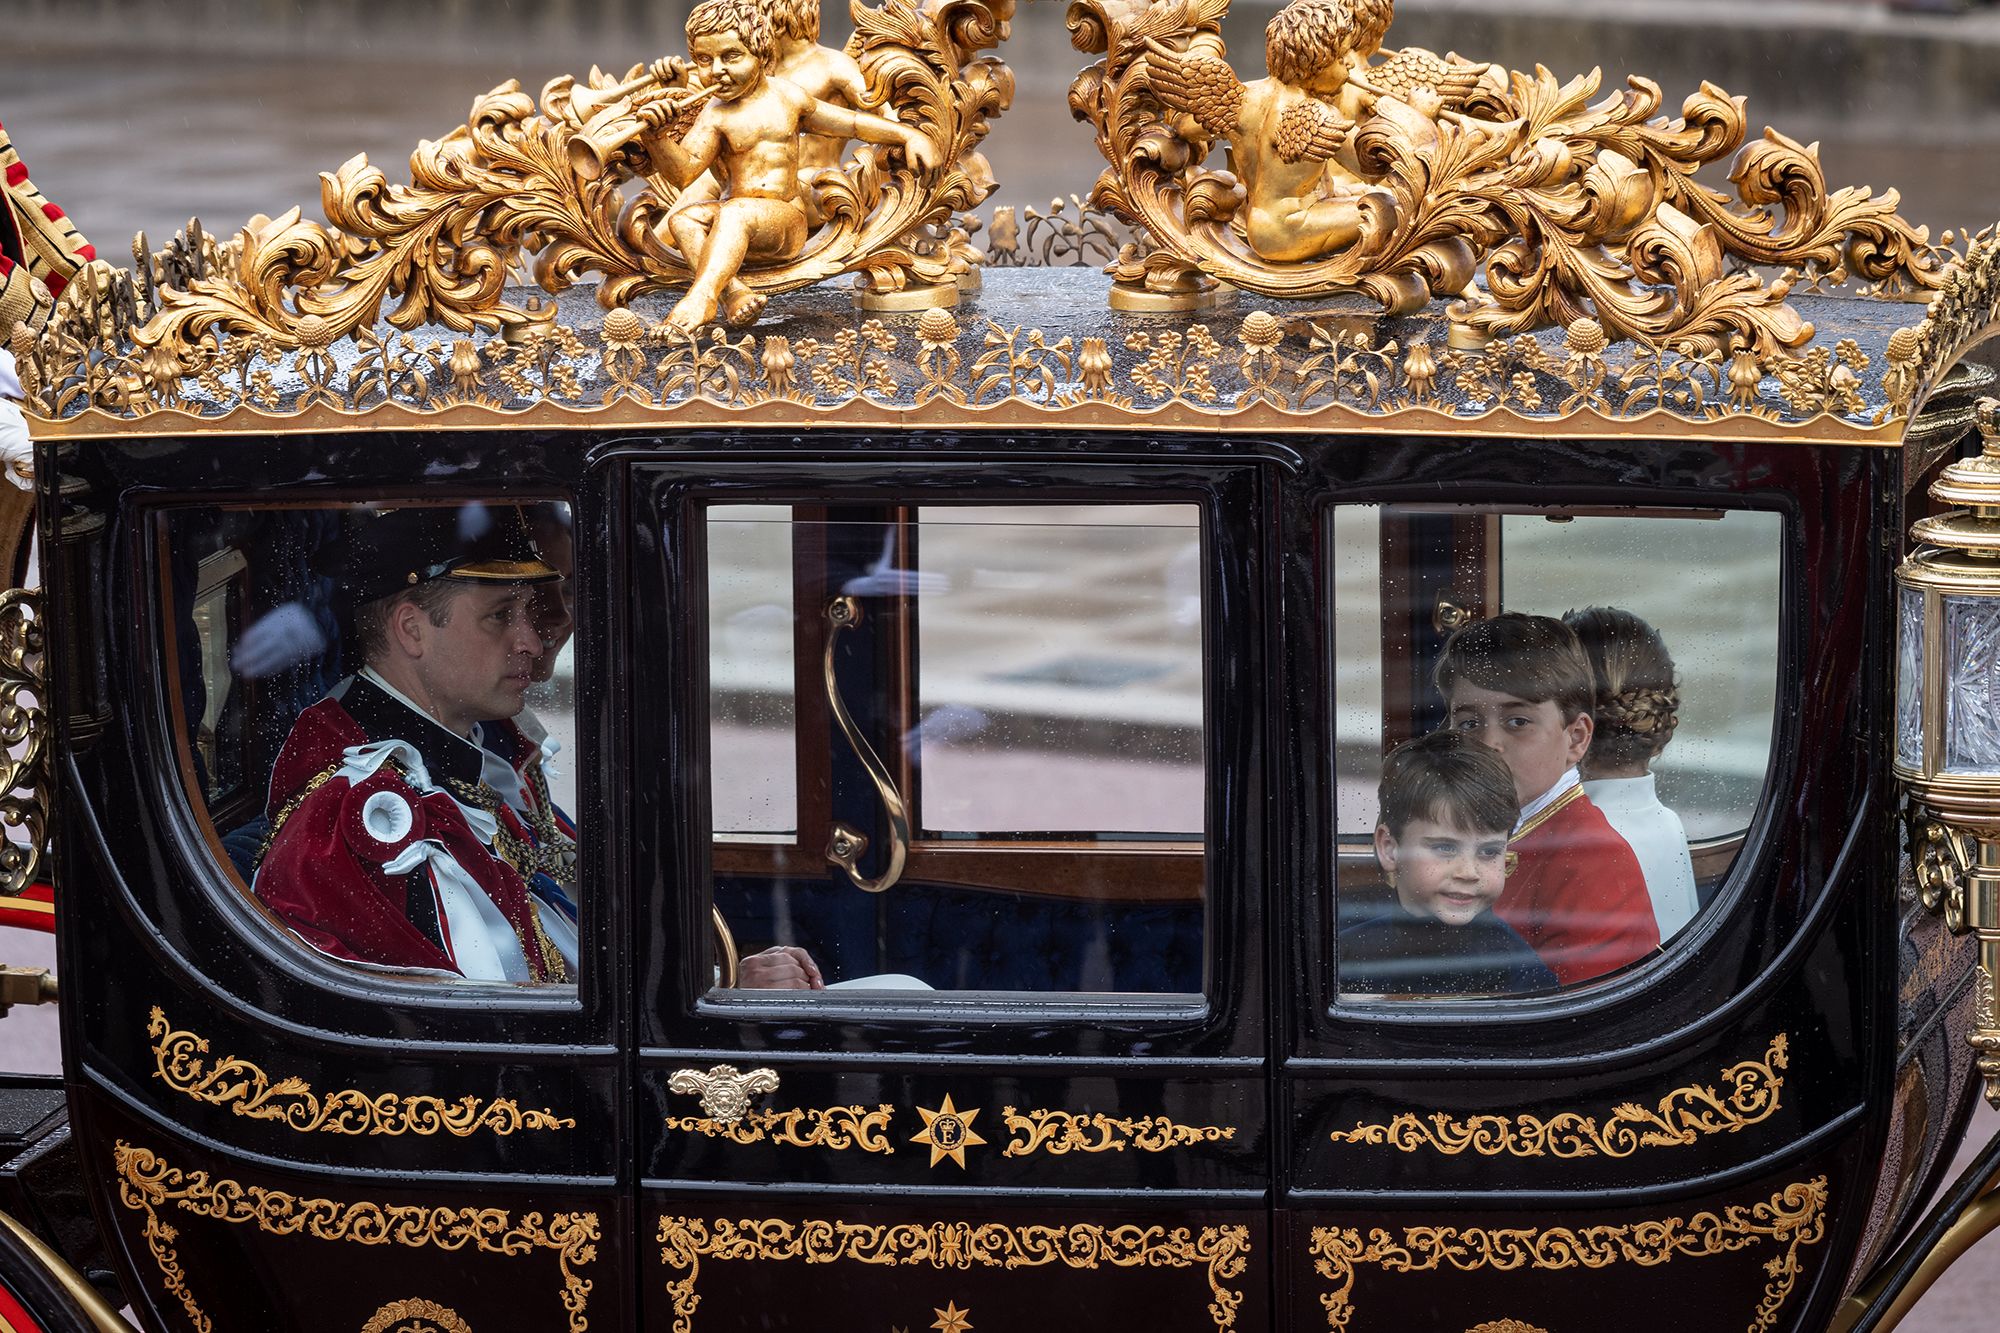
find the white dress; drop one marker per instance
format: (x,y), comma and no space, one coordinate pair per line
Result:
(1658,839)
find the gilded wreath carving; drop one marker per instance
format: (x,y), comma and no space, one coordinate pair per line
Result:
(149,1185)
(547,180)
(1794,1217)
(1394,174)
(1753,1089)
(416,1316)
(1222,1253)
(1060,1132)
(250,1092)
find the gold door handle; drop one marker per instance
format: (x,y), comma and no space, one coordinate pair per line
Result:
(1447,616)
(725,1093)
(846,845)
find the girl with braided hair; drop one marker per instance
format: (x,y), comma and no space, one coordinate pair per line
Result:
(1638,707)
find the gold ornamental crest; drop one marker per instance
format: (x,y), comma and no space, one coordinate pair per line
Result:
(748,188)
(1399,174)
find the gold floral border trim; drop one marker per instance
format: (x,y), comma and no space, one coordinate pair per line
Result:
(1224,1252)
(1794,1217)
(147,1184)
(1962,313)
(250,1092)
(838,1128)
(1059,1132)
(1293,371)
(416,1316)
(1682,1117)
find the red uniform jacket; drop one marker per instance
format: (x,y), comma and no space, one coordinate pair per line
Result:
(1577,893)
(325,873)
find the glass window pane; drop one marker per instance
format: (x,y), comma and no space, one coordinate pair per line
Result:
(379,709)
(1059,687)
(754,787)
(996,781)
(1582,759)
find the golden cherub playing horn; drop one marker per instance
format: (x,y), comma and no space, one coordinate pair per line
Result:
(750,191)
(1399,175)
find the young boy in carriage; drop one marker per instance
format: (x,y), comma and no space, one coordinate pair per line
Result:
(1447,809)
(1522,687)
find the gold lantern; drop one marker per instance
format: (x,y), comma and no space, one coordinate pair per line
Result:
(1948,714)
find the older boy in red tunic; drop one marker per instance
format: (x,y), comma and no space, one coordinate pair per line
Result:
(1522,686)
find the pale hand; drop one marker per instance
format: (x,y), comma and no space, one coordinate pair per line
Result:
(782,967)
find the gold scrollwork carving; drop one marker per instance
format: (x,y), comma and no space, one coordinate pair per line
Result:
(1794,1217)
(1059,1132)
(1223,1252)
(250,1092)
(1682,1117)
(148,1185)
(1505,1326)
(1395,179)
(1985,1035)
(835,1127)
(439,249)
(24,734)
(1961,313)
(416,1316)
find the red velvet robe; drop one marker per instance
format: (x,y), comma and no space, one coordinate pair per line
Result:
(1576,893)
(324,876)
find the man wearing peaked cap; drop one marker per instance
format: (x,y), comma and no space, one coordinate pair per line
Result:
(386,847)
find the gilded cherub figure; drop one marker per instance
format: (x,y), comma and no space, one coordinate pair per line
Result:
(751,131)
(1290,133)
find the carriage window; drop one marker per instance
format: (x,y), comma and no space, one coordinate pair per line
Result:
(957,748)
(1547,754)
(377,711)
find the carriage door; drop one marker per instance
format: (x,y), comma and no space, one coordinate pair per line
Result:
(1496,1114)
(970,753)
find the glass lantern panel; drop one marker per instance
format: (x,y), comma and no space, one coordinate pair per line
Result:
(1910,679)
(1972,685)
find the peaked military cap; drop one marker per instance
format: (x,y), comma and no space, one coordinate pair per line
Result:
(384,551)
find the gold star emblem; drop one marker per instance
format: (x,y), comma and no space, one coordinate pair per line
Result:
(947,1132)
(951,1319)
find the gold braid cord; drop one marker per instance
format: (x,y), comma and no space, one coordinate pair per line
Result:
(1794,1217)
(148,1185)
(1576,208)
(24,735)
(1682,1117)
(505,185)
(1222,1253)
(250,1092)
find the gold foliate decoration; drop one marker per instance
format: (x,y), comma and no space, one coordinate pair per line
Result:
(1396,174)
(1985,1035)
(1222,1253)
(1964,310)
(521,179)
(24,738)
(1282,368)
(250,1092)
(1059,1132)
(1505,1326)
(148,1185)
(1794,1218)
(416,1316)
(1751,1094)
(838,1128)
(947,1132)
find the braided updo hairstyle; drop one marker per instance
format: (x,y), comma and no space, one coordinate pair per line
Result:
(1638,697)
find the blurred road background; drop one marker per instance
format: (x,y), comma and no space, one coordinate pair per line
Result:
(138,114)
